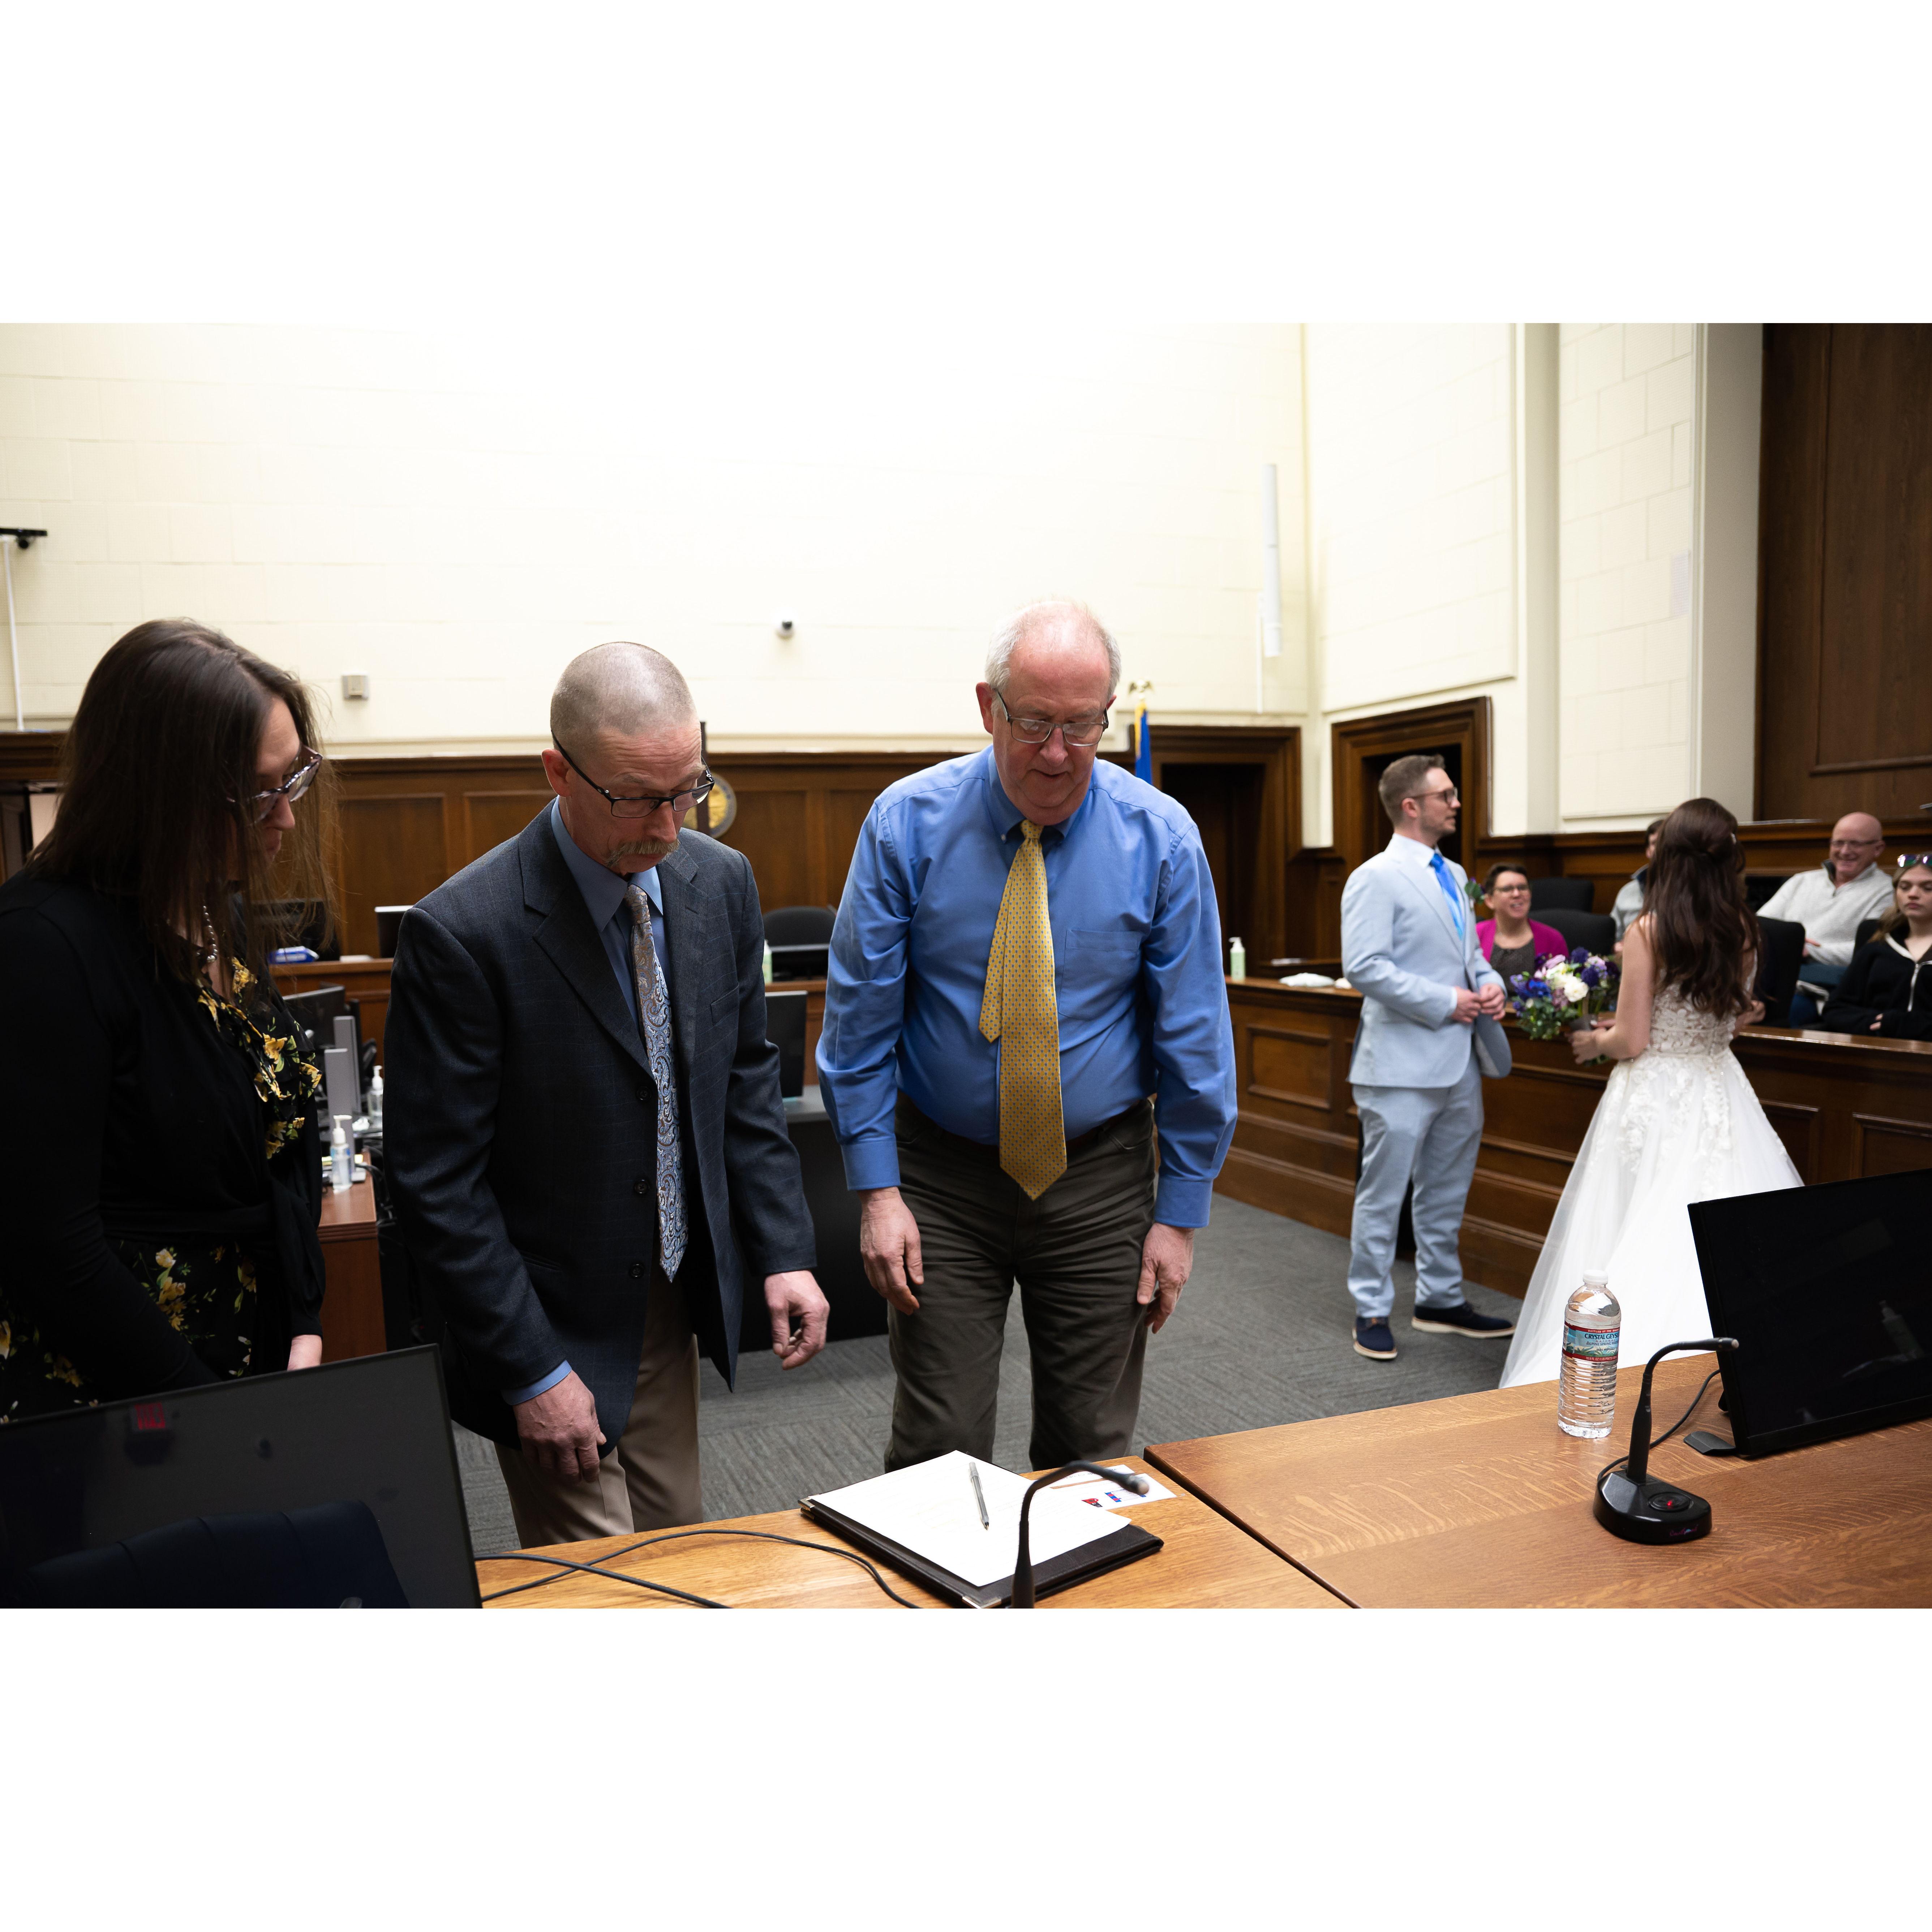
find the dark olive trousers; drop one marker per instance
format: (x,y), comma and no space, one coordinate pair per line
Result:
(1076,1254)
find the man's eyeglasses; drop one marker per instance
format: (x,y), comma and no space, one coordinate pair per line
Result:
(640,806)
(1449,796)
(263,803)
(1854,845)
(1076,732)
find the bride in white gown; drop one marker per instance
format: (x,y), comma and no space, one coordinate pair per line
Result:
(1677,1121)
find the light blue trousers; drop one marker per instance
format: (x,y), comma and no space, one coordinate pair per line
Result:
(1429,1136)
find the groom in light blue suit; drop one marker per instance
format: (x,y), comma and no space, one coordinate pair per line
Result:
(1430,1003)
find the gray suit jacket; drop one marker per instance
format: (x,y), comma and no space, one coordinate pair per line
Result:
(520,1122)
(1401,951)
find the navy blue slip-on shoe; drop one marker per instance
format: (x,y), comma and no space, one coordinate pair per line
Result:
(1375,1338)
(1462,1320)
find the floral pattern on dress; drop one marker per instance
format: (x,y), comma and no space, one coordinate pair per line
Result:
(205,1284)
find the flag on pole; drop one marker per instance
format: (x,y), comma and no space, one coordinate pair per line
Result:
(1141,735)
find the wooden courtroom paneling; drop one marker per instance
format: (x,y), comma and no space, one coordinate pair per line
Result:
(491,818)
(1844,1108)
(1845,551)
(394,851)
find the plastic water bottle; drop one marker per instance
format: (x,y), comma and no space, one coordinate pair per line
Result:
(1586,1394)
(1237,960)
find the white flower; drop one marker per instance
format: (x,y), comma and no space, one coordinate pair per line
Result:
(1574,992)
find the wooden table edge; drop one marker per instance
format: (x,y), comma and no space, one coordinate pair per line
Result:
(1174,1475)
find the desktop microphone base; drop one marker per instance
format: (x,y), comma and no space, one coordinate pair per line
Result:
(1649,1510)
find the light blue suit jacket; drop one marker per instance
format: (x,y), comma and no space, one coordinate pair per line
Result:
(1400,950)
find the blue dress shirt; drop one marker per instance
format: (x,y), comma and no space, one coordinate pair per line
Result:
(1137,974)
(604,894)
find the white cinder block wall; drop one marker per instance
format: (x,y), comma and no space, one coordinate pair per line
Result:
(1625,467)
(456,516)
(1414,530)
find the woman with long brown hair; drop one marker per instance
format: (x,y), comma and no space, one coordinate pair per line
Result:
(1677,1121)
(157,1117)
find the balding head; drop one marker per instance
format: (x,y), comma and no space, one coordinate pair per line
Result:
(1059,633)
(619,691)
(1857,840)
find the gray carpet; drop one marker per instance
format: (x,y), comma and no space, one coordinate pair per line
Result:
(1262,1336)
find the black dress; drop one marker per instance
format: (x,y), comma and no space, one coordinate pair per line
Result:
(163,1171)
(1883,982)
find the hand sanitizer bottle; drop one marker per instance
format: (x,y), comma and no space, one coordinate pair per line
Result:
(1237,960)
(341,1158)
(768,962)
(376,1102)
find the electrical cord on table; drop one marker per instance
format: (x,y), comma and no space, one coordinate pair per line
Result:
(1657,1441)
(664,1589)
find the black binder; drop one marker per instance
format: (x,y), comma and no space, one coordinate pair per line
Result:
(1127,1544)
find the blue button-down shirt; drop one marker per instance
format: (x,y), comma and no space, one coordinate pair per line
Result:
(1142,1001)
(604,898)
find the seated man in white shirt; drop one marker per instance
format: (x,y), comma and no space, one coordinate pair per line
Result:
(1830,904)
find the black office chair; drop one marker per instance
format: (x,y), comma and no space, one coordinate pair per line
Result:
(1570,895)
(799,937)
(1781,953)
(1596,930)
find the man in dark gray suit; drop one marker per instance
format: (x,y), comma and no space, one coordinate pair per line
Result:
(585,1139)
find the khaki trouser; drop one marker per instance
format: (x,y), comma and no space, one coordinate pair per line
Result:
(649,1481)
(1076,1254)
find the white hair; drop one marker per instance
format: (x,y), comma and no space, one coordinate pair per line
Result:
(1000,653)
(622,689)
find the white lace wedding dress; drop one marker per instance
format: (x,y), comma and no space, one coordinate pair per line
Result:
(1678,1123)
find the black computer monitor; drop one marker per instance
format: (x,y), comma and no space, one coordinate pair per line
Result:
(316,1012)
(1829,1292)
(328,1486)
(784,1027)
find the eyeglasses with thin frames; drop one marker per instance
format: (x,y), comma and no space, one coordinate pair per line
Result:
(291,788)
(640,806)
(1077,733)
(1449,795)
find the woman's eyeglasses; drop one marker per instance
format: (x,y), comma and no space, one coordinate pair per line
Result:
(263,803)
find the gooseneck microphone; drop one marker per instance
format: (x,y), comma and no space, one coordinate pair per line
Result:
(1632,1503)
(1022,1596)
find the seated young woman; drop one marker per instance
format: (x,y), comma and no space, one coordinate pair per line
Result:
(1513,942)
(1887,989)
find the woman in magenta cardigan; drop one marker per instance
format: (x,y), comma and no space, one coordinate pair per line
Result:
(1513,942)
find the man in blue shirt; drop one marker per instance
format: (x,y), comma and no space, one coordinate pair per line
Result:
(1028,948)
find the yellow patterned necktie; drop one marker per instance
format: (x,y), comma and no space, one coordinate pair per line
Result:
(1019,1009)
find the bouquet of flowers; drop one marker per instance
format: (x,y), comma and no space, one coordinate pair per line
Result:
(1562,993)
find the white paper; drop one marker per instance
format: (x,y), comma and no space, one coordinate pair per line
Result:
(930,1509)
(1100,1494)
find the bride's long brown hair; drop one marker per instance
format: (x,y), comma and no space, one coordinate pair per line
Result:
(1703,933)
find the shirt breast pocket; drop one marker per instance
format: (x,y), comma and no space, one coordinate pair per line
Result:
(1109,950)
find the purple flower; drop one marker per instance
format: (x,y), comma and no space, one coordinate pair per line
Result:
(1593,972)
(1578,954)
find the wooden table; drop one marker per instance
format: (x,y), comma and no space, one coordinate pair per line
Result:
(352,1302)
(1206,1563)
(1481,1500)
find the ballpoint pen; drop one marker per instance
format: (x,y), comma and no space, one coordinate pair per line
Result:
(979,1495)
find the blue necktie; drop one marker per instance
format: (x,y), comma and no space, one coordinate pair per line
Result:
(1448,885)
